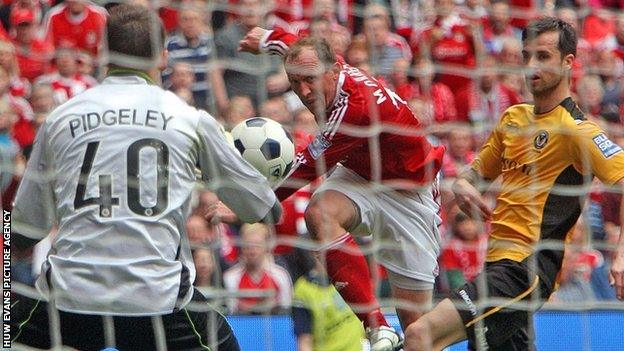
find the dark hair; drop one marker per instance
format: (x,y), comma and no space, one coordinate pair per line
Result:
(567,34)
(324,52)
(134,32)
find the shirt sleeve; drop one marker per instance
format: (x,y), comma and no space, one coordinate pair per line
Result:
(277,42)
(234,180)
(34,209)
(330,145)
(594,152)
(488,161)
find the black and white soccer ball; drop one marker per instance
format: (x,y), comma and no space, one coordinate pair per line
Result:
(266,145)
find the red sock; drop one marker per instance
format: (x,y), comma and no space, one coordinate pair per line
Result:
(348,271)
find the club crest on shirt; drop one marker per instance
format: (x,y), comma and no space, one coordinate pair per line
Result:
(541,139)
(606,146)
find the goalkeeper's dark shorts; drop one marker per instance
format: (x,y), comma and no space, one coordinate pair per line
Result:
(503,323)
(183,329)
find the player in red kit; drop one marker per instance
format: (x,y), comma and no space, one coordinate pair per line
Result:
(385,184)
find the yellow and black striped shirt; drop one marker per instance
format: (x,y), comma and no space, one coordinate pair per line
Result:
(544,160)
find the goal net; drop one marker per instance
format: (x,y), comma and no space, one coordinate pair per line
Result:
(458,66)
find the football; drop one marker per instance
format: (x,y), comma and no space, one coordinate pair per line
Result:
(266,145)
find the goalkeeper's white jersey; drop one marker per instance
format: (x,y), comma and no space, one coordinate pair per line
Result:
(114,169)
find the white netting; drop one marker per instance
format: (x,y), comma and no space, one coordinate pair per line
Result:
(234,87)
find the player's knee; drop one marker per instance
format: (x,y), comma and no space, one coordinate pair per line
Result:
(417,335)
(316,215)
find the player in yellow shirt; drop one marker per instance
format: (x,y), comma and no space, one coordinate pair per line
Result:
(321,318)
(546,155)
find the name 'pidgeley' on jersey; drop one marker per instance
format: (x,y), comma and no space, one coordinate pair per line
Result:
(121,170)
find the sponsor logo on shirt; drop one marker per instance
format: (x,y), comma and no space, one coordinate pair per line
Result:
(606,146)
(318,146)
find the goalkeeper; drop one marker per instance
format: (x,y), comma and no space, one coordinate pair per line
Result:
(114,169)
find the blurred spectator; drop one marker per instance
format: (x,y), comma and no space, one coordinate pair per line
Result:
(609,205)
(86,64)
(18,86)
(610,68)
(42,102)
(490,99)
(245,73)
(510,63)
(214,237)
(205,267)
(257,271)
(336,35)
(450,43)
(76,23)
(277,110)
(399,80)
(12,161)
(9,149)
(168,13)
(590,92)
(496,27)
(240,108)
(619,35)
(65,80)
(583,48)
(357,54)
(38,8)
(182,80)
(437,96)
(23,130)
(463,255)
(574,285)
(460,151)
(385,47)
(599,29)
(193,43)
(33,54)
(321,318)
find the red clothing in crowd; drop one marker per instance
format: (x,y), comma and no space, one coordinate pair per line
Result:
(452,45)
(66,88)
(597,28)
(19,86)
(23,129)
(451,167)
(169,17)
(272,278)
(84,31)
(467,257)
(361,101)
(440,96)
(33,59)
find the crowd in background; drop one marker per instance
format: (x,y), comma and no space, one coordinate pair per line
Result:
(456,63)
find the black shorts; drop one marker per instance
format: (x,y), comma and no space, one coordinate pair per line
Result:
(500,325)
(184,329)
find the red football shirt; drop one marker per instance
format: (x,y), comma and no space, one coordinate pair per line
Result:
(84,31)
(362,104)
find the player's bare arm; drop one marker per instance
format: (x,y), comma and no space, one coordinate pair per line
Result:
(617,268)
(468,197)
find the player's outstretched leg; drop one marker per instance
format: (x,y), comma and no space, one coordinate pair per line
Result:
(435,330)
(329,217)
